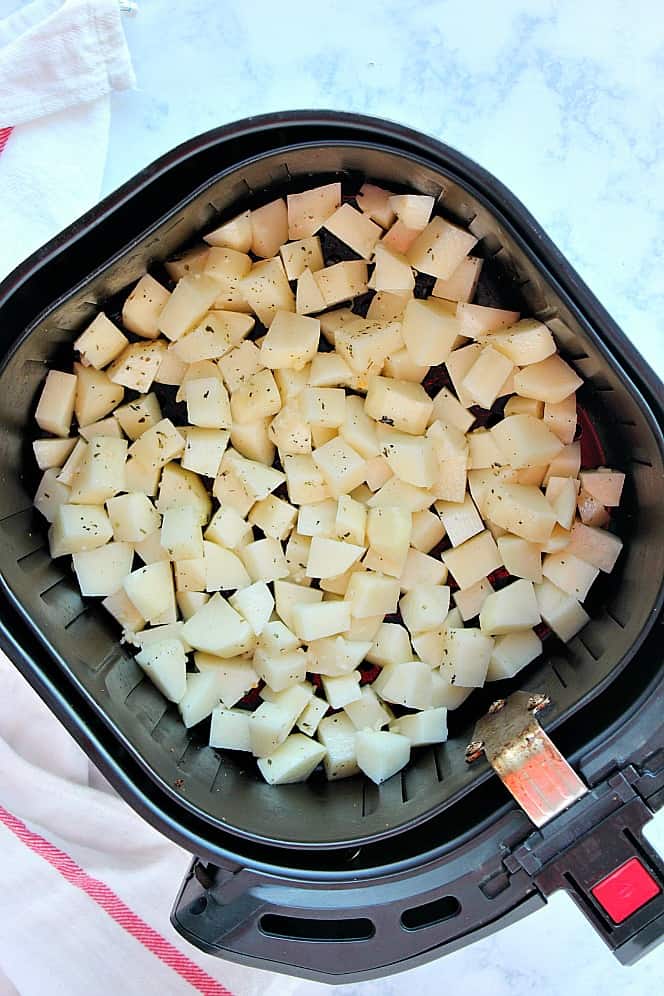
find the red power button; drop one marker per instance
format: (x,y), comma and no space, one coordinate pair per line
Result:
(625,890)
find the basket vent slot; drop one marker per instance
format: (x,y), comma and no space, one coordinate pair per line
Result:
(429,914)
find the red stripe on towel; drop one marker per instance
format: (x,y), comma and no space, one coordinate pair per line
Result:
(115,907)
(4,137)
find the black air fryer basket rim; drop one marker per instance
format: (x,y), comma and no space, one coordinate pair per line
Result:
(91,220)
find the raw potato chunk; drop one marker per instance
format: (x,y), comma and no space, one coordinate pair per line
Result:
(264,560)
(366,345)
(165,665)
(473,560)
(342,281)
(596,546)
(561,419)
(192,298)
(136,417)
(228,528)
(305,254)
(421,569)
(458,364)
(466,656)
(604,486)
(400,404)
(308,211)
(317,519)
(158,445)
(269,228)
(100,342)
(181,534)
(350,520)
(338,735)
(448,410)
(388,536)
(133,517)
(342,689)
(101,472)
(560,611)
(511,653)
(440,248)
(181,487)
(512,608)
(358,429)
(381,754)
(291,341)
(392,273)
(525,441)
(340,465)
(527,342)
(323,406)
(354,229)
(552,380)
(76,528)
(208,405)
(522,509)
(96,396)
(51,493)
(422,728)
(124,612)
(329,558)
(484,380)
(329,370)
(476,320)
(461,520)
(524,406)
(522,559)
(571,575)
(375,202)
(141,310)
(266,290)
(292,761)
(200,698)
(185,264)
(219,630)
(213,337)
(282,671)
(306,483)
(274,516)
(413,210)
(367,712)
(308,297)
(52,453)
(257,398)
(151,590)
(313,622)
(287,595)
(204,450)
(391,645)
(425,607)
(427,531)
(236,233)
(410,458)
(229,729)
(255,603)
(462,284)
(101,572)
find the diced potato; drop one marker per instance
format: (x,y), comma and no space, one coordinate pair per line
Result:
(229,729)
(208,404)
(525,441)
(150,549)
(413,210)
(410,458)
(427,530)
(240,363)
(204,450)
(422,728)
(511,653)
(448,410)
(561,493)
(291,341)
(367,712)
(190,575)
(165,665)
(313,622)
(469,601)
(354,229)
(181,487)
(133,517)
(450,484)
(340,465)
(236,233)
(350,520)
(591,511)
(377,472)
(137,416)
(366,345)
(330,557)
(297,554)
(288,595)
(462,284)
(393,272)
(266,289)
(228,528)
(257,398)
(342,689)
(158,445)
(277,638)
(396,493)
(264,560)
(477,320)
(440,247)
(101,473)
(181,534)
(269,725)
(197,371)
(96,396)
(524,406)
(448,441)
(551,380)
(236,676)
(391,645)
(511,609)
(362,629)
(595,546)
(151,590)
(274,516)
(561,418)
(51,494)
(421,569)
(255,604)
(466,656)
(461,520)
(143,307)
(557,541)
(292,761)
(219,630)
(228,267)
(323,406)
(104,427)
(72,463)
(124,612)
(604,485)
(283,670)
(305,254)
(308,297)
(289,430)
(381,754)
(484,380)
(213,338)
(329,370)
(458,363)
(100,342)
(522,509)
(473,560)
(200,699)
(193,296)
(311,716)
(305,481)
(569,573)
(522,559)
(186,264)
(223,569)
(342,281)
(524,343)
(400,366)
(444,693)
(430,646)
(308,211)
(400,404)
(374,202)
(101,572)
(269,228)
(560,611)
(358,429)
(425,607)
(52,453)
(337,734)
(257,478)
(317,519)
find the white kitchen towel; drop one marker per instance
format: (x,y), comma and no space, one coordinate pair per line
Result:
(59,62)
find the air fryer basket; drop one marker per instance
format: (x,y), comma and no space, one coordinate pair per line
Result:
(221,793)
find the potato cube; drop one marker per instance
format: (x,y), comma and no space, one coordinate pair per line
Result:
(218,629)
(257,478)
(51,494)
(445,694)
(413,210)
(400,366)
(407,683)
(422,728)
(124,612)
(337,734)
(330,557)
(512,608)
(158,445)
(151,590)
(440,248)
(200,698)
(308,296)
(101,473)
(381,754)
(297,554)
(430,329)
(522,559)
(372,594)
(293,761)
(469,601)
(190,576)
(141,310)
(269,228)
(52,453)
(477,320)
(274,516)
(329,370)
(96,396)
(392,273)
(150,549)
(391,645)
(196,371)
(180,487)
(229,729)
(239,363)
(524,343)
(421,569)
(193,296)
(350,520)
(591,511)
(365,345)
(458,363)
(73,463)
(561,493)
(269,725)
(425,607)
(522,509)
(396,493)
(484,380)
(604,485)
(181,534)
(255,604)
(223,569)
(137,416)
(354,229)
(208,405)
(410,458)
(342,281)
(305,254)
(511,653)
(462,284)
(291,341)
(78,527)
(341,466)
(228,267)
(166,666)
(100,342)
(561,418)
(258,397)
(523,406)
(473,560)
(313,622)
(525,441)
(461,520)
(306,483)
(133,517)
(551,380)
(569,573)
(266,289)
(317,519)
(288,595)
(449,410)
(374,202)
(228,528)
(282,671)
(308,211)
(401,404)
(367,712)
(290,432)
(388,536)
(466,657)
(334,656)
(427,530)
(204,450)
(560,611)
(342,689)
(324,406)
(236,233)
(595,546)
(358,429)
(264,560)
(213,337)
(101,572)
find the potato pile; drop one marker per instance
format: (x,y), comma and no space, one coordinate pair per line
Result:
(354,522)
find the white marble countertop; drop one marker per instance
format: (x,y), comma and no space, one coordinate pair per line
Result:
(560,99)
